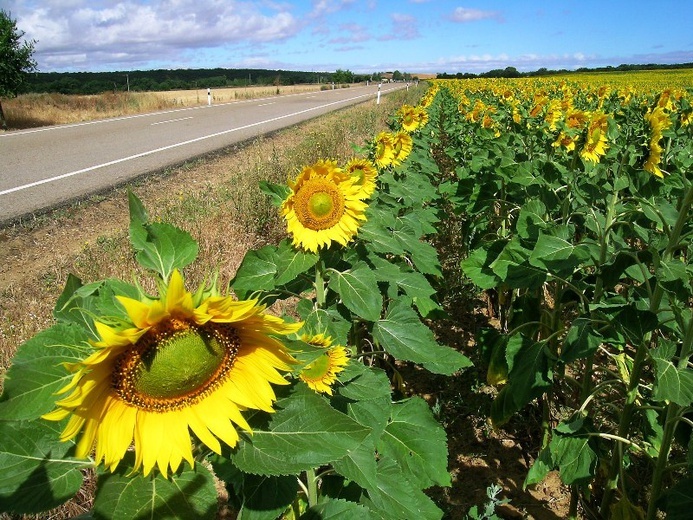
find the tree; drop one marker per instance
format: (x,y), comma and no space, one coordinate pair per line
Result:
(16,59)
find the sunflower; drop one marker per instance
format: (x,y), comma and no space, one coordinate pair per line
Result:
(364,172)
(408,118)
(179,362)
(658,121)
(402,144)
(323,207)
(384,149)
(596,142)
(321,374)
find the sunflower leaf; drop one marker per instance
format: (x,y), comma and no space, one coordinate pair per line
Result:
(403,335)
(256,272)
(160,247)
(395,496)
(38,474)
(417,442)
(358,288)
(305,432)
(37,373)
(291,262)
(336,509)
(278,193)
(190,493)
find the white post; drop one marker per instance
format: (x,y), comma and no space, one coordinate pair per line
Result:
(209,97)
(378,100)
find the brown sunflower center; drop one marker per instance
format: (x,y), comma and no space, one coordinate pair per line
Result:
(319,204)
(175,364)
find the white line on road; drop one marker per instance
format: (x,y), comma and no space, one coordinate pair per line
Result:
(176,145)
(170,121)
(265,104)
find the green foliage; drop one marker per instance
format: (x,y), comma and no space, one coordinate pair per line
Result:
(590,265)
(16,59)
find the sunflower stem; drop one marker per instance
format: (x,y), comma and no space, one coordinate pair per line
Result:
(320,283)
(312,482)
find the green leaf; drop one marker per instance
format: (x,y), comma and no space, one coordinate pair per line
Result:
(396,497)
(36,373)
(358,289)
(160,247)
(513,268)
(541,467)
(190,493)
(417,442)
(574,457)
(477,268)
(556,255)
(265,498)
(360,465)
(380,239)
(417,287)
(677,502)
(37,473)
(581,341)
(530,221)
(403,335)
(529,377)
(635,323)
(672,383)
(305,432)
(336,509)
(278,193)
(291,262)
(365,394)
(166,248)
(256,272)
(329,322)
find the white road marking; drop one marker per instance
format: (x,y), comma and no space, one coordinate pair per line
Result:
(265,104)
(171,121)
(175,145)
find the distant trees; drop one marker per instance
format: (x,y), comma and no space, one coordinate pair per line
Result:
(16,59)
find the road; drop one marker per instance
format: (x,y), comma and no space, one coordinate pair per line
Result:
(45,167)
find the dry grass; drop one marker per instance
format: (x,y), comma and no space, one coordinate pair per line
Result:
(34,110)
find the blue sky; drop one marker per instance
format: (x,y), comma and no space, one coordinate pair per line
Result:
(416,36)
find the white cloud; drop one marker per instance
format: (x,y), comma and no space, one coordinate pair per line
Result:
(159,30)
(465,14)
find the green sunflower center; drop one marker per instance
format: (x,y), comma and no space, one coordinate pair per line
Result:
(175,364)
(319,204)
(318,369)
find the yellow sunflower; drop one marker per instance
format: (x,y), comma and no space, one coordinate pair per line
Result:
(658,121)
(384,149)
(596,142)
(408,118)
(322,208)
(179,363)
(402,144)
(321,374)
(364,172)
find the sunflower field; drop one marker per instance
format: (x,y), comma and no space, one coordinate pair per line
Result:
(564,203)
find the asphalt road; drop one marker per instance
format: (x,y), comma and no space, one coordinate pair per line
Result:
(45,167)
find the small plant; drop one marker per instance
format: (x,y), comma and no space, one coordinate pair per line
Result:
(489,509)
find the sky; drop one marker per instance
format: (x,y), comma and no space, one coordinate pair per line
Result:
(362,36)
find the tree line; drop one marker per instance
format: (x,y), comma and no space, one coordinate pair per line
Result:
(180,79)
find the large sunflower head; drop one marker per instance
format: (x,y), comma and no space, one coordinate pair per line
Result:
(176,363)
(322,208)
(321,374)
(364,174)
